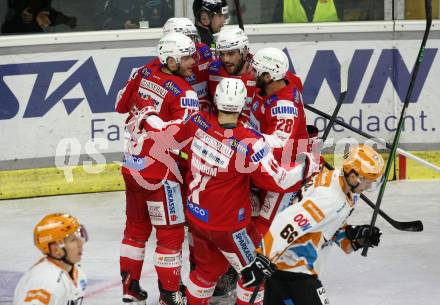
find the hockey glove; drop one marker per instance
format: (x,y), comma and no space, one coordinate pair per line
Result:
(143,107)
(358,236)
(257,271)
(311,164)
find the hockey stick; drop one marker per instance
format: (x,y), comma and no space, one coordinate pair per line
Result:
(344,85)
(368,136)
(239,15)
(428,10)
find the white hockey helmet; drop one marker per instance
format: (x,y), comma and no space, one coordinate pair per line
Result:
(230,95)
(175,45)
(180,25)
(272,61)
(231,39)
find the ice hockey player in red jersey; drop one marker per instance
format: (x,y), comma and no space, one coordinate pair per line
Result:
(151,175)
(199,79)
(232,48)
(291,250)
(278,113)
(225,156)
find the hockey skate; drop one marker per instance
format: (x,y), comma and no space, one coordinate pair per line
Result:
(224,293)
(171,297)
(132,292)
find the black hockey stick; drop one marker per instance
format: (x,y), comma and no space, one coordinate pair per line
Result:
(411,226)
(428,10)
(239,15)
(344,88)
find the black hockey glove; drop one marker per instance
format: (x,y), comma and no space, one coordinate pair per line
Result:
(257,271)
(358,235)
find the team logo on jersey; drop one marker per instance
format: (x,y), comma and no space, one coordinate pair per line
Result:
(189,103)
(259,155)
(197,211)
(244,244)
(200,121)
(146,73)
(284,110)
(238,146)
(172,87)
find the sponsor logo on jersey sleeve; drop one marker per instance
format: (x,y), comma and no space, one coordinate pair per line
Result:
(244,244)
(284,109)
(255,106)
(197,211)
(260,154)
(189,103)
(172,87)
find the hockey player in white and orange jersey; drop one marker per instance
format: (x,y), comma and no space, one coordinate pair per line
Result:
(56,279)
(289,256)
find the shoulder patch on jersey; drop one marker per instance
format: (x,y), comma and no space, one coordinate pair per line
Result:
(172,87)
(214,67)
(284,108)
(200,121)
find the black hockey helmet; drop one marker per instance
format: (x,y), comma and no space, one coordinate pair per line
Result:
(210,6)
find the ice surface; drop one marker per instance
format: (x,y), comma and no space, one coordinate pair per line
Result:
(404,269)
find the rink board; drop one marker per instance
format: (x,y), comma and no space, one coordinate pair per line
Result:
(58,91)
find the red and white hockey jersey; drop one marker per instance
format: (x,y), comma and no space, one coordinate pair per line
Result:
(47,283)
(298,235)
(280,117)
(223,162)
(175,101)
(217,72)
